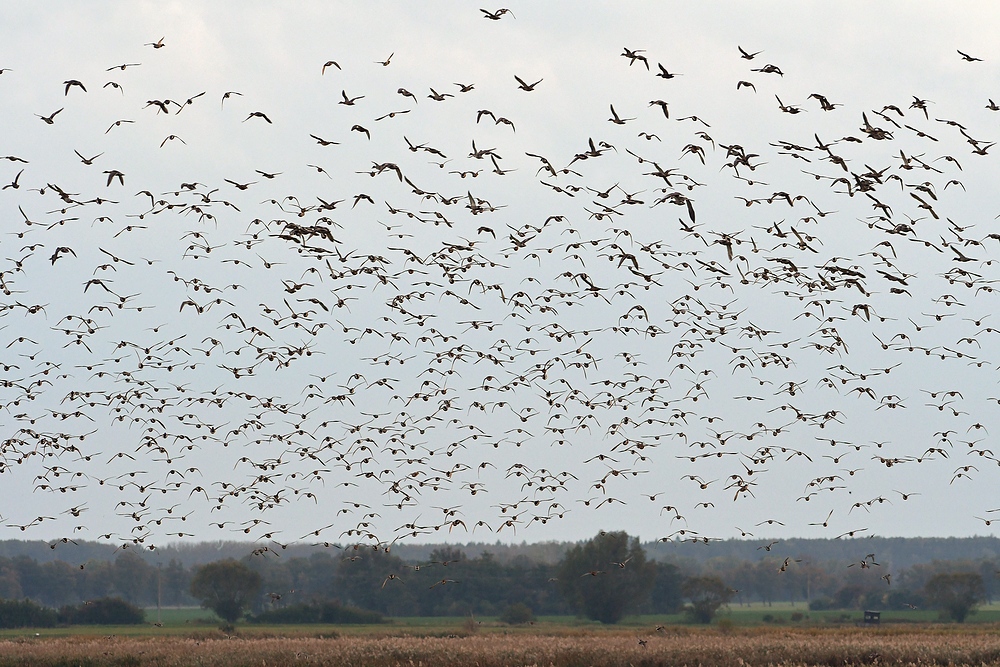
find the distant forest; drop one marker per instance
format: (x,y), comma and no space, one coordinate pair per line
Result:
(893,552)
(490,577)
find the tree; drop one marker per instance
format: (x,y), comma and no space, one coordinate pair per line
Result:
(666,591)
(956,593)
(706,595)
(227,587)
(10,585)
(60,583)
(606,576)
(135,579)
(176,581)
(360,579)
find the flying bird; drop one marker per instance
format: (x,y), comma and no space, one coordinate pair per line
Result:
(523,85)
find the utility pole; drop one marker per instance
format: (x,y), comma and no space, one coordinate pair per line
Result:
(159,590)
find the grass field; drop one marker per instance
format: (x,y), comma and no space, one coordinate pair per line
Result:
(782,613)
(193,621)
(746,615)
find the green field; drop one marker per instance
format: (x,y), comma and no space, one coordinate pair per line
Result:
(189,621)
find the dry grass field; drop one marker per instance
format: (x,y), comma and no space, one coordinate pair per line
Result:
(688,647)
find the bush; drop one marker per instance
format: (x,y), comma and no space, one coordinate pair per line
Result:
(822,604)
(796,616)
(26,614)
(517,614)
(333,612)
(325,612)
(105,611)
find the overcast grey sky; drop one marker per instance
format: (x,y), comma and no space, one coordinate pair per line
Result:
(467,335)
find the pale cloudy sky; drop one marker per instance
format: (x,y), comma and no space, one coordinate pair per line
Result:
(424,283)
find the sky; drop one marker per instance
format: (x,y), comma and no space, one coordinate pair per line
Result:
(258,283)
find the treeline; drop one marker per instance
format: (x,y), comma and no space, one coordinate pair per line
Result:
(894,552)
(128,576)
(864,583)
(450,581)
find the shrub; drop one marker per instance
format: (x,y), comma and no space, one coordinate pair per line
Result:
(822,604)
(26,614)
(333,612)
(517,614)
(105,611)
(325,612)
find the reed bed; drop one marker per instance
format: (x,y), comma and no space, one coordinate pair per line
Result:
(741,648)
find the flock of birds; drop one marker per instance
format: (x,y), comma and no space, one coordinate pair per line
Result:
(429,356)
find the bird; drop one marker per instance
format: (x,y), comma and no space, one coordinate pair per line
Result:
(15,183)
(634,55)
(71,83)
(117,123)
(324,142)
(664,74)
(349,101)
(258,114)
(172,137)
(51,118)
(438,97)
(615,119)
(769,69)
(523,85)
(664,106)
(189,101)
(115,174)
(496,15)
